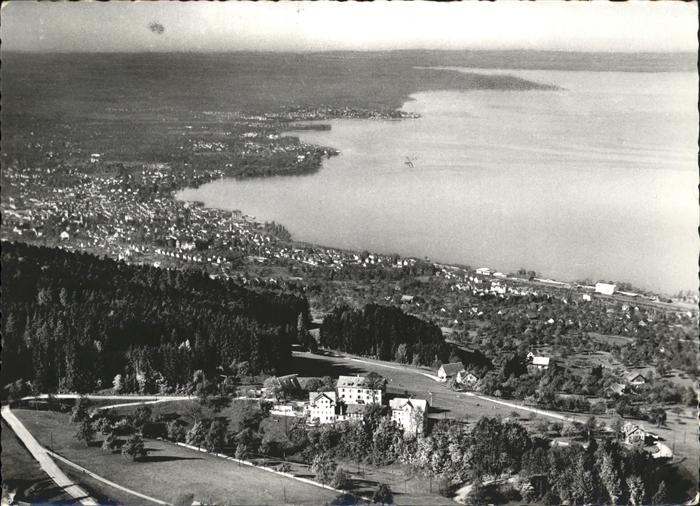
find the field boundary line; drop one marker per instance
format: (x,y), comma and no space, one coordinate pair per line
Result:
(105,480)
(268,469)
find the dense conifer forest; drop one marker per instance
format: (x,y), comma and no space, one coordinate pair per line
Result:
(382,331)
(73,321)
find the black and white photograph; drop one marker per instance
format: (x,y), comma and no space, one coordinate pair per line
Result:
(349,253)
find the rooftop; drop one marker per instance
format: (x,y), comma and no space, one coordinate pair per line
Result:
(403,403)
(352,381)
(316,396)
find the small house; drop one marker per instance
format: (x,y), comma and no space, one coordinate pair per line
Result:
(322,407)
(616,389)
(467,379)
(635,379)
(537,363)
(409,414)
(449,370)
(634,434)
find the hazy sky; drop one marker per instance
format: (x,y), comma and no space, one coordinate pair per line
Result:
(231,26)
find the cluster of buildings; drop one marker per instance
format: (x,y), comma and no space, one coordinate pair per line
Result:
(631,380)
(349,400)
(127,214)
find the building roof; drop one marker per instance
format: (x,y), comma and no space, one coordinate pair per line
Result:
(403,403)
(543,361)
(289,380)
(618,388)
(634,375)
(463,375)
(452,368)
(316,396)
(352,381)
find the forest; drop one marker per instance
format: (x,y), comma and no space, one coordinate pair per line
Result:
(73,322)
(384,332)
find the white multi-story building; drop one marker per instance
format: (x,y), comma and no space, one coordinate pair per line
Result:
(409,414)
(356,390)
(605,288)
(322,406)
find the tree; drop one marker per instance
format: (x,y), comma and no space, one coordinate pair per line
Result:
(118,384)
(661,368)
(80,409)
(590,426)
(661,495)
(103,425)
(216,436)
(85,431)
(134,448)
(323,468)
(340,480)
(176,431)
(402,353)
(197,434)
(184,499)
(383,494)
(636,488)
(583,486)
(273,387)
(385,439)
(142,415)
(610,477)
(476,494)
(110,443)
(658,416)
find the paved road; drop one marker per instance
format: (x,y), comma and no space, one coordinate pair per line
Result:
(96,397)
(138,400)
(41,455)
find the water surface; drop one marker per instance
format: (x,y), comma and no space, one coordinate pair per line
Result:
(596,180)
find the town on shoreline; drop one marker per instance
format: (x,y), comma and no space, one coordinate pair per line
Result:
(238,312)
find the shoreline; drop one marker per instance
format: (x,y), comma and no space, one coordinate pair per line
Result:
(295,241)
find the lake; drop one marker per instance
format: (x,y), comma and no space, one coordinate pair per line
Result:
(596,180)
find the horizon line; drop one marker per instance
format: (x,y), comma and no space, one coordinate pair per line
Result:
(345,51)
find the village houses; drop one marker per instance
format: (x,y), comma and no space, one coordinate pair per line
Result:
(409,414)
(537,363)
(449,370)
(357,390)
(467,380)
(322,407)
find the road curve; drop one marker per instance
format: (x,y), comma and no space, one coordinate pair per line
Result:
(41,455)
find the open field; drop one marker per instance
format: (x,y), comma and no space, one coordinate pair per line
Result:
(20,472)
(170,470)
(408,487)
